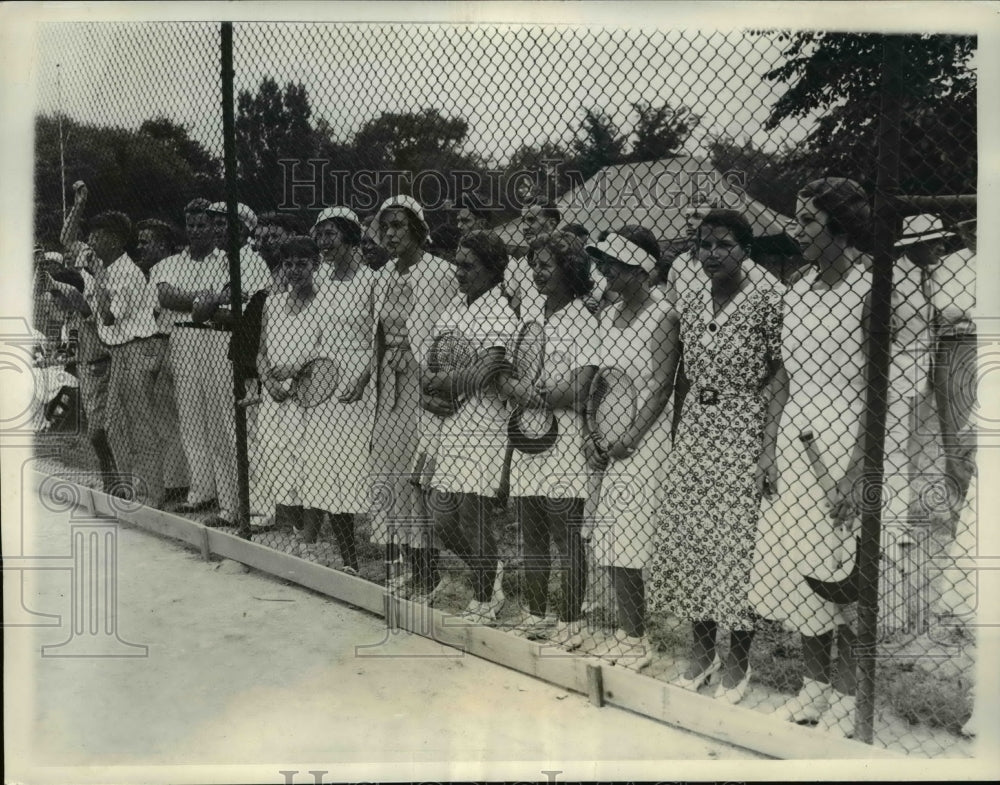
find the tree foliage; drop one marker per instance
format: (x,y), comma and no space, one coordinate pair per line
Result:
(838,76)
(149,173)
(660,132)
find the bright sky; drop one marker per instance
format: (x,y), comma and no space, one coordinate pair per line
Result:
(513,84)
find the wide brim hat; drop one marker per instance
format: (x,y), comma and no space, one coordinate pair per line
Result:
(921,229)
(621,249)
(407,203)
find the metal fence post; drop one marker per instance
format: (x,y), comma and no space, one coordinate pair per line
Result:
(878,383)
(235,286)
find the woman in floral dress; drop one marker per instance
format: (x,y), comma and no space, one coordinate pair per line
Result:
(723,454)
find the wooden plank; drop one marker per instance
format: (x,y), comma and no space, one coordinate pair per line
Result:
(611,685)
(338,585)
(166,524)
(737,725)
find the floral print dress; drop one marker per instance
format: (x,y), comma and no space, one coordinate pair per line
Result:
(703,547)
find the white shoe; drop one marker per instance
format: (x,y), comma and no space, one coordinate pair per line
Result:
(479,613)
(733,695)
(809,705)
(839,717)
(705,677)
(567,635)
(534,627)
(609,647)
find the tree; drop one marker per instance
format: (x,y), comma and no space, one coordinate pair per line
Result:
(144,174)
(548,169)
(660,131)
(599,143)
(273,126)
(773,179)
(838,75)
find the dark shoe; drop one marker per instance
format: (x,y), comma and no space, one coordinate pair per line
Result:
(175,495)
(218,522)
(187,509)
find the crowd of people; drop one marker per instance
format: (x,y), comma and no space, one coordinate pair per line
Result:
(728,496)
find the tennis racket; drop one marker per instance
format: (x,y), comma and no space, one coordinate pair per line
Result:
(531,430)
(612,405)
(449,351)
(316,382)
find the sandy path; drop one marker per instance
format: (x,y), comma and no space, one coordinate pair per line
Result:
(245,669)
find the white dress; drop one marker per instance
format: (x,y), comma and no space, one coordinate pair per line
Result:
(630,488)
(472,442)
(336,435)
(823,354)
(571,341)
(291,339)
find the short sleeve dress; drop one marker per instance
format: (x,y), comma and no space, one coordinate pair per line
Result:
(572,341)
(292,338)
(625,517)
(704,544)
(335,438)
(824,357)
(472,442)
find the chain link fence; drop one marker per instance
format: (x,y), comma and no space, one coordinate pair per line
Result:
(655,347)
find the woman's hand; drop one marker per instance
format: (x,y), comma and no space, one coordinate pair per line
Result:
(767,475)
(357,390)
(276,389)
(597,458)
(622,448)
(528,396)
(283,371)
(842,498)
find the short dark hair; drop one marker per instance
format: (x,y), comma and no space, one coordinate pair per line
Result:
(489,250)
(846,204)
(115,222)
(734,221)
(579,230)
(567,251)
(298,245)
(164,232)
(285,221)
(349,230)
(642,237)
(549,211)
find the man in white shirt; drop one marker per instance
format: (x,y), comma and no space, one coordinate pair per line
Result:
(123,306)
(202,370)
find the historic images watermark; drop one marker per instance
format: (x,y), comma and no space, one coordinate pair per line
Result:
(314,185)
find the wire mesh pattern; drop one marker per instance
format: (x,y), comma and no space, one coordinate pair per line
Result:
(695,220)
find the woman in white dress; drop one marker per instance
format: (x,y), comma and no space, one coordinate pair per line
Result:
(409,294)
(825,355)
(472,442)
(640,332)
(289,339)
(552,486)
(335,439)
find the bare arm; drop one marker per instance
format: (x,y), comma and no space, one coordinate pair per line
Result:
(71,227)
(666,342)
(174,298)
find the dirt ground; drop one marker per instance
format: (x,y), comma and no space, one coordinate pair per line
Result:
(245,669)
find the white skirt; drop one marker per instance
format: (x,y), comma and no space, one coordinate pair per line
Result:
(561,472)
(630,495)
(279,457)
(470,449)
